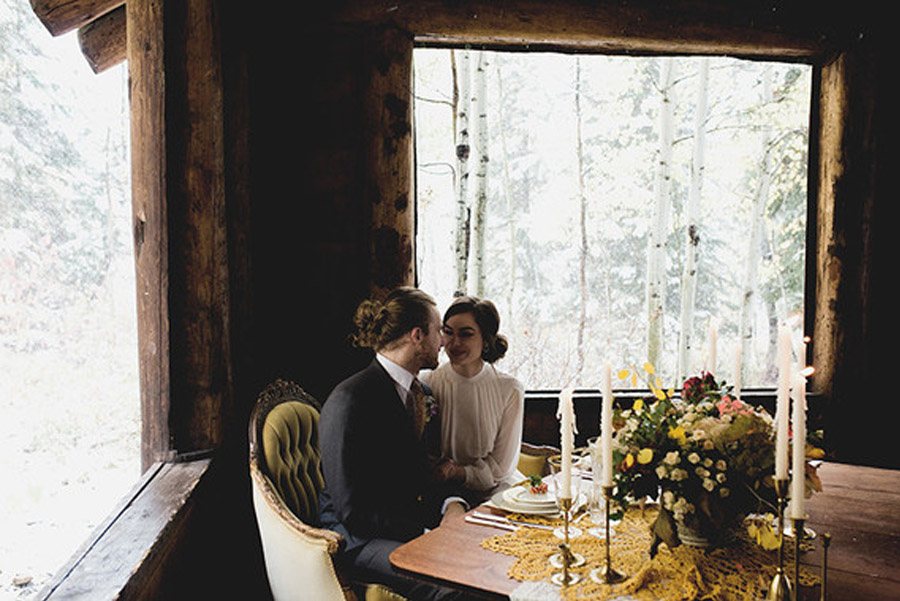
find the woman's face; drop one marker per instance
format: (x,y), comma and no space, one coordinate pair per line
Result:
(462,339)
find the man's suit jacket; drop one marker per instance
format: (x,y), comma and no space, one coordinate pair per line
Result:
(377,475)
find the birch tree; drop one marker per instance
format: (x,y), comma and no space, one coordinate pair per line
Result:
(582,219)
(745,330)
(506,188)
(658,226)
(479,221)
(692,225)
(461,98)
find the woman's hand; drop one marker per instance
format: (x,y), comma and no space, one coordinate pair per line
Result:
(448,470)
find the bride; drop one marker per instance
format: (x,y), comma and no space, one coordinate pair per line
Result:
(481,407)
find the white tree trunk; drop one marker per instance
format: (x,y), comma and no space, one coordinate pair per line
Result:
(479,109)
(461,99)
(691,225)
(658,226)
(745,329)
(511,216)
(582,223)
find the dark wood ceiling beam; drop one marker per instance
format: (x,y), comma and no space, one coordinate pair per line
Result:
(103,41)
(63,16)
(640,26)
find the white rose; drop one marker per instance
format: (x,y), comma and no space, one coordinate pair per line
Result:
(661,471)
(671,458)
(694,458)
(721,465)
(703,473)
(707,462)
(720,477)
(708,484)
(724,492)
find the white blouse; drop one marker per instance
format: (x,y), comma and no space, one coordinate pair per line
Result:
(481,423)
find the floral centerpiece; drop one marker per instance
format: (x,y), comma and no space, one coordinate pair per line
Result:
(708,458)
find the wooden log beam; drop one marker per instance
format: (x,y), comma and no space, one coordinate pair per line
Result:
(180,225)
(389,157)
(103,41)
(787,30)
(63,16)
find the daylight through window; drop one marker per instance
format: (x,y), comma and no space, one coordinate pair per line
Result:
(69,392)
(616,208)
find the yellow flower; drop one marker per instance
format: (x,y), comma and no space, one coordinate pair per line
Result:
(763,534)
(623,373)
(629,460)
(638,406)
(645,456)
(677,433)
(648,367)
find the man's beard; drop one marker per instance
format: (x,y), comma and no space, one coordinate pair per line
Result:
(427,359)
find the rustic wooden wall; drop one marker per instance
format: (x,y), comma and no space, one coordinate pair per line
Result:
(278,194)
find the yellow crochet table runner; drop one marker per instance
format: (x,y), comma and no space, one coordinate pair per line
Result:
(741,572)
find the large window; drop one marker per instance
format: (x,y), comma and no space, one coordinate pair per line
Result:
(616,208)
(69,398)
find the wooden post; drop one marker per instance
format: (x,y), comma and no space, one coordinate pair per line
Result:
(389,158)
(180,230)
(103,40)
(849,332)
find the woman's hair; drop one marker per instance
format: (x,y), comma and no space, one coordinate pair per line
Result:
(379,323)
(488,320)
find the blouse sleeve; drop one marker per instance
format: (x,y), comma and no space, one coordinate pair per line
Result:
(486,472)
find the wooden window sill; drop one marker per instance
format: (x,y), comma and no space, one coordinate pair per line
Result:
(123,552)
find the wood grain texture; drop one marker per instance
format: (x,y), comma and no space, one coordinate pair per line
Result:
(103,40)
(122,560)
(62,16)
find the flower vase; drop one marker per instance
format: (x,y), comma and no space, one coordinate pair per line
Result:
(694,537)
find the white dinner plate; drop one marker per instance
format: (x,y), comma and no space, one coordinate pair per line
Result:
(524,496)
(500,501)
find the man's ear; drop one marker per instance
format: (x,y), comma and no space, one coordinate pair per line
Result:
(417,334)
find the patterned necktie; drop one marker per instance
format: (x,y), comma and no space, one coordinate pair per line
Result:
(415,406)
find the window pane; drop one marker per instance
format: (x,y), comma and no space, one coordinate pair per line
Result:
(575,144)
(69,398)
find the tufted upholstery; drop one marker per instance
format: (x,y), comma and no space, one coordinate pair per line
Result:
(291,453)
(286,474)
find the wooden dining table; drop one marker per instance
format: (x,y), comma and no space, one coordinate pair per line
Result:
(859,507)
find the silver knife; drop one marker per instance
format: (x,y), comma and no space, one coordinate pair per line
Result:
(504,520)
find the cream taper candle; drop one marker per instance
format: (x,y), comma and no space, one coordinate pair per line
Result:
(738,365)
(782,401)
(606,426)
(711,346)
(566,414)
(798,426)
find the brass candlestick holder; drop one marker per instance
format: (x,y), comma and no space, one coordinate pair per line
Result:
(781,589)
(565,559)
(606,574)
(826,540)
(798,524)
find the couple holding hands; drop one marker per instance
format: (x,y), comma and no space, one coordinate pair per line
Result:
(400,453)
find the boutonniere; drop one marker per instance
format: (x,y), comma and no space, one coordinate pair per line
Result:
(431,407)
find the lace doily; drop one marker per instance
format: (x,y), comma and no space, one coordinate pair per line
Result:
(741,572)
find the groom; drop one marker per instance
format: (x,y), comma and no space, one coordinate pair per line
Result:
(379,491)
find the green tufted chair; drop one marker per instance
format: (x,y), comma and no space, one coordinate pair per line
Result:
(286,474)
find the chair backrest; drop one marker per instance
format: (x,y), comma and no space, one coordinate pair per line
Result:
(533,459)
(284,442)
(286,478)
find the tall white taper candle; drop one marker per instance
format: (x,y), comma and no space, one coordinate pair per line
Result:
(738,365)
(606,426)
(711,344)
(782,401)
(566,414)
(798,426)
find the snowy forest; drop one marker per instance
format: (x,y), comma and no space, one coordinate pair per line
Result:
(69,396)
(614,208)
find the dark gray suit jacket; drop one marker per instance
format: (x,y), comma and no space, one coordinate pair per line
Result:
(377,474)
